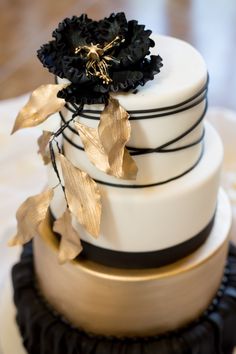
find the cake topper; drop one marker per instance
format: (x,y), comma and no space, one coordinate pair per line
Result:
(97,61)
(100,57)
(97,58)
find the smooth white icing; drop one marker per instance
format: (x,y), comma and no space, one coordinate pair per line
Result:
(154,218)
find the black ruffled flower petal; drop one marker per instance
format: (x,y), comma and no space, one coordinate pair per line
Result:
(136,45)
(107,29)
(48,55)
(125,80)
(99,57)
(136,75)
(73,32)
(150,67)
(84,94)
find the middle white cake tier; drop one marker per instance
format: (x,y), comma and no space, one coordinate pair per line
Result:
(155,218)
(154,167)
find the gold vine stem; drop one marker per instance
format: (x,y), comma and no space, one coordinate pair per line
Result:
(51,149)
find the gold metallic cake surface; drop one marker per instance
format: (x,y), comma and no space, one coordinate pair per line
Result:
(122,302)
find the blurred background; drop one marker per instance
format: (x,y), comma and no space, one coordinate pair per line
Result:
(209,25)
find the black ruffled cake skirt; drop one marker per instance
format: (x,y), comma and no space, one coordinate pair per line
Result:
(45,332)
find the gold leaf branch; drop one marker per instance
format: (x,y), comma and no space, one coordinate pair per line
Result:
(83,196)
(70,245)
(43,141)
(114,132)
(93,147)
(42,103)
(30,215)
(105,145)
(114,129)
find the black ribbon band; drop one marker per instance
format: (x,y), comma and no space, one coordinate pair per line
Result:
(160,149)
(159,112)
(146,151)
(142,260)
(193,101)
(138,186)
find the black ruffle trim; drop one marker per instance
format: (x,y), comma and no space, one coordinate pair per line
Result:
(45,332)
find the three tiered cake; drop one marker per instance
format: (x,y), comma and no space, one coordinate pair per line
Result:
(133,208)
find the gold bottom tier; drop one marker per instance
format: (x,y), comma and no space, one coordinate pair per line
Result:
(120,302)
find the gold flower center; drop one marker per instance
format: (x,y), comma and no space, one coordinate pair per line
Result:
(94,52)
(98,62)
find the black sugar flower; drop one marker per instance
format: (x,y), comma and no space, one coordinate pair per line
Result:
(99,57)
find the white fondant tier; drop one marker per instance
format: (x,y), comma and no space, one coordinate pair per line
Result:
(153,167)
(114,301)
(182,76)
(155,218)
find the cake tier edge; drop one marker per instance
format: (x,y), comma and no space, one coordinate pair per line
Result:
(112,301)
(212,333)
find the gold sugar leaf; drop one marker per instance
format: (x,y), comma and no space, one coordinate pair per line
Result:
(129,166)
(83,196)
(70,245)
(105,146)
(42,103)
(43,141)
(93,146)
(114,128)
(114,132)
(30,215)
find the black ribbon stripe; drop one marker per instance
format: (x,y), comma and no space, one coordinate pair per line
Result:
(141,151)
(119,185)
(189,103)
(152,259)
(137,151)
(175,140)
(160,149)
(141,117)
(148,259)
